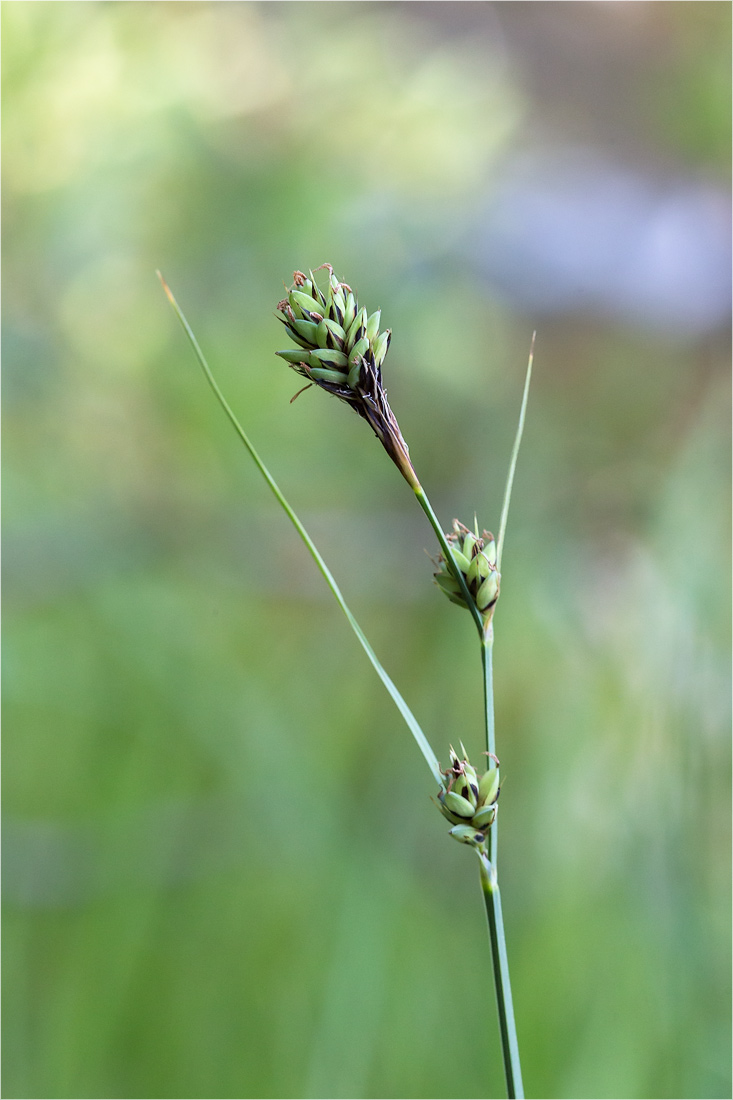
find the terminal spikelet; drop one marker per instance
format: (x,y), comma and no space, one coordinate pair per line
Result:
(341,350)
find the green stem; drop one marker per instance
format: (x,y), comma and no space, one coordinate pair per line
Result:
(448,553)
(399,702)
(492,900)
(510,1050)
(489,883)
(487,645)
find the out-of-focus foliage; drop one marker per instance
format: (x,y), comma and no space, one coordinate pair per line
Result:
(223,873)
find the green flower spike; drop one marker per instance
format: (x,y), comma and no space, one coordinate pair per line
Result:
(476,558)
(469,801)
(341,350)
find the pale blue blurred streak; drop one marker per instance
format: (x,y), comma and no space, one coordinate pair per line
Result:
(574,232)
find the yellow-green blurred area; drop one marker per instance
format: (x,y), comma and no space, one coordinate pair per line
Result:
(223,873)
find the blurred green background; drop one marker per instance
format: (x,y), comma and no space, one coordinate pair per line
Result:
(223,875)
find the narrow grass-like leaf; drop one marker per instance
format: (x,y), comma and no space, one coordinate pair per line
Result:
(399,702)
(513,462)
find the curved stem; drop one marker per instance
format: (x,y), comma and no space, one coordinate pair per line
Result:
(492,900)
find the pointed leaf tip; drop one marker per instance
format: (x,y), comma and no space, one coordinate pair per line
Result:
(166,288)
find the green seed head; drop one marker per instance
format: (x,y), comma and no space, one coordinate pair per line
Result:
(469,800)
(341,350)
(329,318)
(475,557)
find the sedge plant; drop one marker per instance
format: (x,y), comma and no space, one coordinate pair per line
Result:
(339,348)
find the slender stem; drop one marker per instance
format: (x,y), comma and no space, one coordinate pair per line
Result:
(492,900)
(510,1050)
(399,702)
(489,883)
(487,645)
(488,862)
(445,547)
